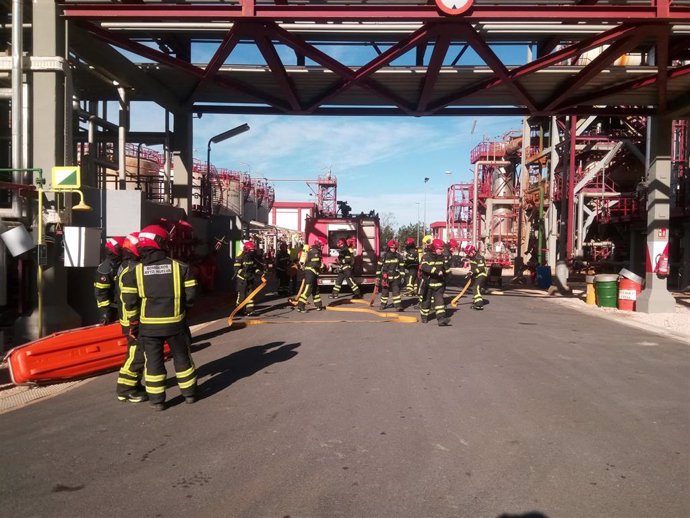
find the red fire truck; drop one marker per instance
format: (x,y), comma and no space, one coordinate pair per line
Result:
(365,231)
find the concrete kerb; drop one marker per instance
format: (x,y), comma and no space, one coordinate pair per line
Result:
(674,325)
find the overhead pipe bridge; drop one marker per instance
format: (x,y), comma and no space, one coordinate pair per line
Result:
(404,58)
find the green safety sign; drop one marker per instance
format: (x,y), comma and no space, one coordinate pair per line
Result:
(66,177)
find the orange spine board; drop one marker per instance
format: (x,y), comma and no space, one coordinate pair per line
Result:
(72,354)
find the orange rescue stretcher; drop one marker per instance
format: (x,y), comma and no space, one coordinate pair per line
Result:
(68,355)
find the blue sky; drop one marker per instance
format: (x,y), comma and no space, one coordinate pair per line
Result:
(380,162)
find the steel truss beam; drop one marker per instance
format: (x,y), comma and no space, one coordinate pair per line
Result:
(383,12)
(267,24)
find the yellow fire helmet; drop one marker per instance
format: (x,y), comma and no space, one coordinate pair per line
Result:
(426,240)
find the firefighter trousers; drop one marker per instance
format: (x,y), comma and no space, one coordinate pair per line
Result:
(132,371)
(283,282)
(433,301)
(311,289)
(345,275)
(479,287)
(244,288)
(411,279)
(391,289)
(185,372)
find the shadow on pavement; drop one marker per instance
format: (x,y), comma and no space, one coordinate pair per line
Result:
(223,372)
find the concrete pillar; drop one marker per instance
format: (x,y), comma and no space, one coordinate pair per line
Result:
(552,216)
(47,150)
(656,298)
(183,158)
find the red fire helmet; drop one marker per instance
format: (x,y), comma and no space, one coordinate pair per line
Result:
(114,244)
(153,236)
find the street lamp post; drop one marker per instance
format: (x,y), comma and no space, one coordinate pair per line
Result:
(417,203)
(206,182)
(426,180)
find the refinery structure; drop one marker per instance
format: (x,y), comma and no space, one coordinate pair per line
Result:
(596,179)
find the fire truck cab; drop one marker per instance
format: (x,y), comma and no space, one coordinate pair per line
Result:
(363,229)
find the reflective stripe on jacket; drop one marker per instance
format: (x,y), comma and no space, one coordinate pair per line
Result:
(164,289)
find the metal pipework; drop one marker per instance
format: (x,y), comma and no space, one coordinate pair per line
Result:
(475,189)
(17,97)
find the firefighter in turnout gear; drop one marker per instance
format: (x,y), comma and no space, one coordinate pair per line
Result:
(129,387)
(164,290)
(411,256)
(282,265)
(478,274)
(422,280)
(248,268)
(312,269)
(389,275)
(346,261)
(105,284)
(448,250)
(434,277)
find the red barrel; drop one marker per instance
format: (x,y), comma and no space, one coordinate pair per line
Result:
(628,290)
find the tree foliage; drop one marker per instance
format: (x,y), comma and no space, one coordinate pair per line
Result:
(410,230)
(387,229)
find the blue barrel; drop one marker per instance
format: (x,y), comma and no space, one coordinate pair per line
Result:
(543,277)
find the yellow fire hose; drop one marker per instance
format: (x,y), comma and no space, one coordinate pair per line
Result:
(454,302)
(295,300)
(247,299)
(383,317)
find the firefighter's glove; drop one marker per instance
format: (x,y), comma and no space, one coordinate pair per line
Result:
(468,277)
(105,317)
(134,329)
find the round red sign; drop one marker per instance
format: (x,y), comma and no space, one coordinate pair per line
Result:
(454,7)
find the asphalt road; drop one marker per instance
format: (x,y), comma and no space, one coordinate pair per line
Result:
(526,407)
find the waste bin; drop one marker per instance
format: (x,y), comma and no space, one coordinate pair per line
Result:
(629,287)
(544,277)
(606,287)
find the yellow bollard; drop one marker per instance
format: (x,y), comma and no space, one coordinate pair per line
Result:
(591,297)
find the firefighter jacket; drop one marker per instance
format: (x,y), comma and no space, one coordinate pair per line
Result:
(477,266)
(164,289)
(433,269)
(312,261)
(282,261)
(105,283)
(346,259)
(411,256)
(126,276)
(390,265)
(248,266)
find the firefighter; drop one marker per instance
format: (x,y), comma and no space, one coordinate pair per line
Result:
(312,268)
(389,274)
(282,265)
(105,284)
(411,256)
(449,250)
(422,280)
(346,261)
(129,387)
(157,313)
(247,269)
(478,274)
(434,276)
